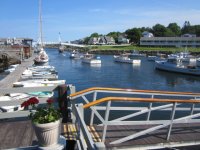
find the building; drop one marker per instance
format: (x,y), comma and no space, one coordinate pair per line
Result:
(93,41)
(122,40)
(102,40)
(147,34)
(3,41)
(170,41)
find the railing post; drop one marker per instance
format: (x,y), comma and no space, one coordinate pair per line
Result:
(172,119)
(105,120)
(192,108)
(92,113)
(63,101)
(149,108)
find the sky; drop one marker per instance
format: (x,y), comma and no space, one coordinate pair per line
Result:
(76,19)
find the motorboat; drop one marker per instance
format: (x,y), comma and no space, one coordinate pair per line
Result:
(61,48)
(174,64)
(12,97)
(91,59)
(136,54)
(124,58)
(75,55)
(11,68)
(41,82)
(152,58)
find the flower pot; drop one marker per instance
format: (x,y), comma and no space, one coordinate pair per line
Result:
(47,134)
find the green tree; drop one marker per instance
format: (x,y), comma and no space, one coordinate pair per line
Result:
(115,35)
(159,30)
(197,29)
(134,35)
(94,35)
(85,40)
(175,29)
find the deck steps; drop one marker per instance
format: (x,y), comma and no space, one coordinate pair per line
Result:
(70,132)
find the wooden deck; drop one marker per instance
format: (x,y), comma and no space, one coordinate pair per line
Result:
(8,81)
(21,134)
(181,133)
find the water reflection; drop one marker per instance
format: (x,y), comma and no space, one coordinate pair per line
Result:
(95,65)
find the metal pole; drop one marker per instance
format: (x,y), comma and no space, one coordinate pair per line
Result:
(106,119)
(172,118)
(92,113)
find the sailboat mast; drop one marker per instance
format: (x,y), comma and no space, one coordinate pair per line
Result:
(40,22)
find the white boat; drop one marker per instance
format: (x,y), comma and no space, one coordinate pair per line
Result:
(124,58)
(42,57)
(41,82)
(91,59)
(198,62)
(11,68)
(136,54)
(12,97)
(75,55)
(41,68)
(151,58)
(174,64)
(61,48)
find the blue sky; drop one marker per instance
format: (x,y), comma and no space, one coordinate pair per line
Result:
(76,19)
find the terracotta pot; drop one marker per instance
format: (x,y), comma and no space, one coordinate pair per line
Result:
(48,134)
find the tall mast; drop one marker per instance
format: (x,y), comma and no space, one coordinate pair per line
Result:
(40,22)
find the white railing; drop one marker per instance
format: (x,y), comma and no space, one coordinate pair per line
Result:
(130,101)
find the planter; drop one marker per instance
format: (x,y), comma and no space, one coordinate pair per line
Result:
(48,134)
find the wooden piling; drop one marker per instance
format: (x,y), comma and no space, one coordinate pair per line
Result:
(62,101)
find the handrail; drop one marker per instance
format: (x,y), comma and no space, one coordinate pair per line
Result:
(131,90)
(138,100)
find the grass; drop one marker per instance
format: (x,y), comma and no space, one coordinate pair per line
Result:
(133,47)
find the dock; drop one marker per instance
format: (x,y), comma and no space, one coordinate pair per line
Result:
(14,76)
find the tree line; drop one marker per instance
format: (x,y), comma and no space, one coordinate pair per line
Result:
(158,30)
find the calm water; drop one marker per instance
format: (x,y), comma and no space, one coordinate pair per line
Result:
(111,74)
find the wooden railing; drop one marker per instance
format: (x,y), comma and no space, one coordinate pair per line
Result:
(101,99)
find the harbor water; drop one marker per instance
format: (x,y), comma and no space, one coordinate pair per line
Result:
(119,75)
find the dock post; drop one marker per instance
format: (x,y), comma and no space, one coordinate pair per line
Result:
(63,103)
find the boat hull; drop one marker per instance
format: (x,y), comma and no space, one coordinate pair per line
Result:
(163,65)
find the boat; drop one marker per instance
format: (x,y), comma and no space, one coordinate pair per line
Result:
(136,54)
(174,64)
(75,55)
(91,59)
(42,57)
(11,68)
(124,58)
(12,97)
(61,48)
(41,82)
(157,57)
(152,58)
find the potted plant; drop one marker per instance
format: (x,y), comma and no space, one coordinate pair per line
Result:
(45,120)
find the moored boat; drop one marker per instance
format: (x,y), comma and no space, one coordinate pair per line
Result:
(174,64)
(91,59)
(41,58)
(75,55)
(124,58)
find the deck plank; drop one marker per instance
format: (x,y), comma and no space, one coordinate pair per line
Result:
(180,133)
